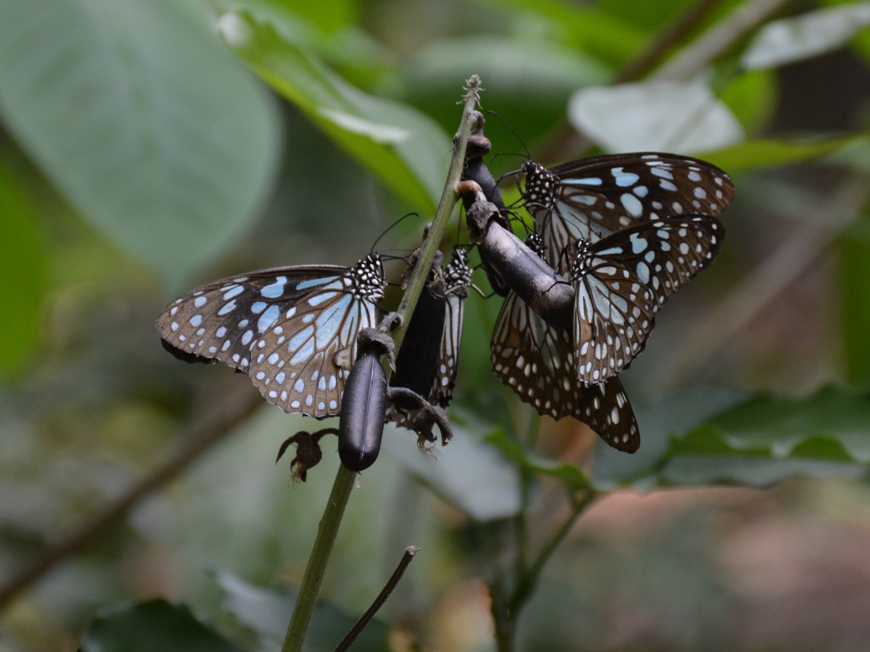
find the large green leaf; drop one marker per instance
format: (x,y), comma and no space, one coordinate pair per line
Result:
(140,116)
(769,438)
(405,148)
(752,98)
(813,33)
(585,27)
(22,275)
(151,626)
(468,474)
(760,153)
(854,277)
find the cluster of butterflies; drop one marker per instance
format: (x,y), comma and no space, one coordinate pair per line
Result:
(625,230)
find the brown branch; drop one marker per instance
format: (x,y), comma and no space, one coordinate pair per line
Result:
(718,39)
(203,436)
(390,586)
(567,142)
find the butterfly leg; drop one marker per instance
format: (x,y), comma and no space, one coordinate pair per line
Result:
(379,340)
(426,417)
(308,453)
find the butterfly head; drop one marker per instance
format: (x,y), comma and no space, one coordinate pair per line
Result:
(541,185)
(368,277)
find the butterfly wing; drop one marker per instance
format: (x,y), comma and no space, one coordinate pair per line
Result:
(591,198)
(537,362)
(457,280)
(623,280)
(292,329)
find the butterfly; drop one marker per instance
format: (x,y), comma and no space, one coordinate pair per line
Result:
(435,333)
(593,197)
(622,280)
(457,281)
(292,330)
(538,361)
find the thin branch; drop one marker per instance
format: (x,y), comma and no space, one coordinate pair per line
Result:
(211,430)
(344,479)
(718,39)
(567,142)
(665,40)
(390,586)
(527,583)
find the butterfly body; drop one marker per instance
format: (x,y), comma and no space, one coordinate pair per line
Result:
(292,330)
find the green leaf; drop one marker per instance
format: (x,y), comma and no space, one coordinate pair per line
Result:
(769,438)
(568,474)
(651,116)
(150,626)
(760,153)
(267,611)
(585,27)
(854,282)
(658,422)
(405,148)
(140,116)
(22,275)
(812,33)
(467,473)
(752,98)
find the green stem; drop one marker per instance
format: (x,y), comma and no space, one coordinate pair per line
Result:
(344,479)
(527,583)
(316,567)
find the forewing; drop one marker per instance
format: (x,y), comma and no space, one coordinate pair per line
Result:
(291,329)
(594,197)
(535,360)
(623,280)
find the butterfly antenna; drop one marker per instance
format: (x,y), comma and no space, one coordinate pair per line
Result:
(387,230)
(510,129)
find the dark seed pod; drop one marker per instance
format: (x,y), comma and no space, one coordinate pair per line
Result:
(522,270)
(363,408)
(475,169)
(417,362)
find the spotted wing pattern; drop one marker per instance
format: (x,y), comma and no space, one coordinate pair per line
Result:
(591,198)
(537,361)
(622,280)
(457,280)
(291,329)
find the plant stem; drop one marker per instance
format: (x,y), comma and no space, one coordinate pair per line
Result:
(506,611)
(344,479)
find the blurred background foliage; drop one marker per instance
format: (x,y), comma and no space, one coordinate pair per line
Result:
(148,146)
